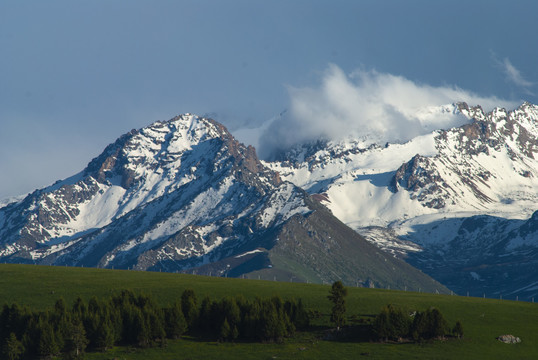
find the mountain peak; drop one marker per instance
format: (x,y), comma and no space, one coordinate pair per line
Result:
(184,194)
(188,168)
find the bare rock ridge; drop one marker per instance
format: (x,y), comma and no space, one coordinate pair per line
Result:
(184,196)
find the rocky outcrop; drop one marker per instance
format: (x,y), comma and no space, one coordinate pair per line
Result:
(509,339)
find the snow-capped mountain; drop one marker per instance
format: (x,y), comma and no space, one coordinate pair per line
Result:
(487,166)
(480,255)
(184,195)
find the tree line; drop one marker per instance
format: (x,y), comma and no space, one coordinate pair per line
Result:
(132,319)
(135,319)
(392,323)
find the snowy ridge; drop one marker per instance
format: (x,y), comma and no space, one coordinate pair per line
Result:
(356,180)
(175,192)
(457,199)
(485,166)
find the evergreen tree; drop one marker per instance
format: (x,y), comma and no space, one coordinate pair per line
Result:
(437,324)
(399,323)
(297,313)
(225,330)
(175,323)
(60,308)
(204,317)
(47,345)
(61,322)
(189,307)
(155,321)
(75,341)
(79,308)
(91,326)
(13,319)
(252,319)
(458,330)
(381,325)
(104,338)
(272,327)
(12,348)
(428,325)
(231,312)
(391,323)
(140,329)
(419,328)
(337,295)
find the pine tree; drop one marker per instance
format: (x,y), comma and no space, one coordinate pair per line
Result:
(47,345)
(428,325)
(337,295)
(13,348)
(75,341)
(231,311)
(381,325)
(419,327)
(437,324)
(60,308)
(140,329)
(155,321)
(297,313)
(175,323)
(189,307)
(79,308)
(105,335)
(272,321)
(399,323)
(204,318)
(225,330)
(458,330)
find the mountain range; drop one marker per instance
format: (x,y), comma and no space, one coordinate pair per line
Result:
(455,205)
(185,196)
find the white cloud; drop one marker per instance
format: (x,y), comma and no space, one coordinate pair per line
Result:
(367,104)
(514,75)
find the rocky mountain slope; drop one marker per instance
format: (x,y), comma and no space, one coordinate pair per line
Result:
(184,195)
(392,192)
(483,255)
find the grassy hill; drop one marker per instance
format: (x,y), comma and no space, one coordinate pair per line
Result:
(483,319)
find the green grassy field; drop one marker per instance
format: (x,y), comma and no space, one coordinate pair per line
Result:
(483,319)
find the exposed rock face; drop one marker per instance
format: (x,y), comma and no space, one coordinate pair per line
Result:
(425,185)
(465,162)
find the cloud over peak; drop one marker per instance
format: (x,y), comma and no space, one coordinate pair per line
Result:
(367,104)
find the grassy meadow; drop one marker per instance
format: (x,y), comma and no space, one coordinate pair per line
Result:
(483,319)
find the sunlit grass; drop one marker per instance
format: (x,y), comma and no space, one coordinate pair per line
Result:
(483,319)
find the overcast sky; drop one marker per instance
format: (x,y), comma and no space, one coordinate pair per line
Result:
(75,75)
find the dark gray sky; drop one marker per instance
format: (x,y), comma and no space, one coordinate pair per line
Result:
(75,75)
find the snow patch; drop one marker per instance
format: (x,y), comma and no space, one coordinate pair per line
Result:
(248,253)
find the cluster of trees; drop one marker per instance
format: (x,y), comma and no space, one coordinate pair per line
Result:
(393,324)
(136,319)
(99,324)
(234,318)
